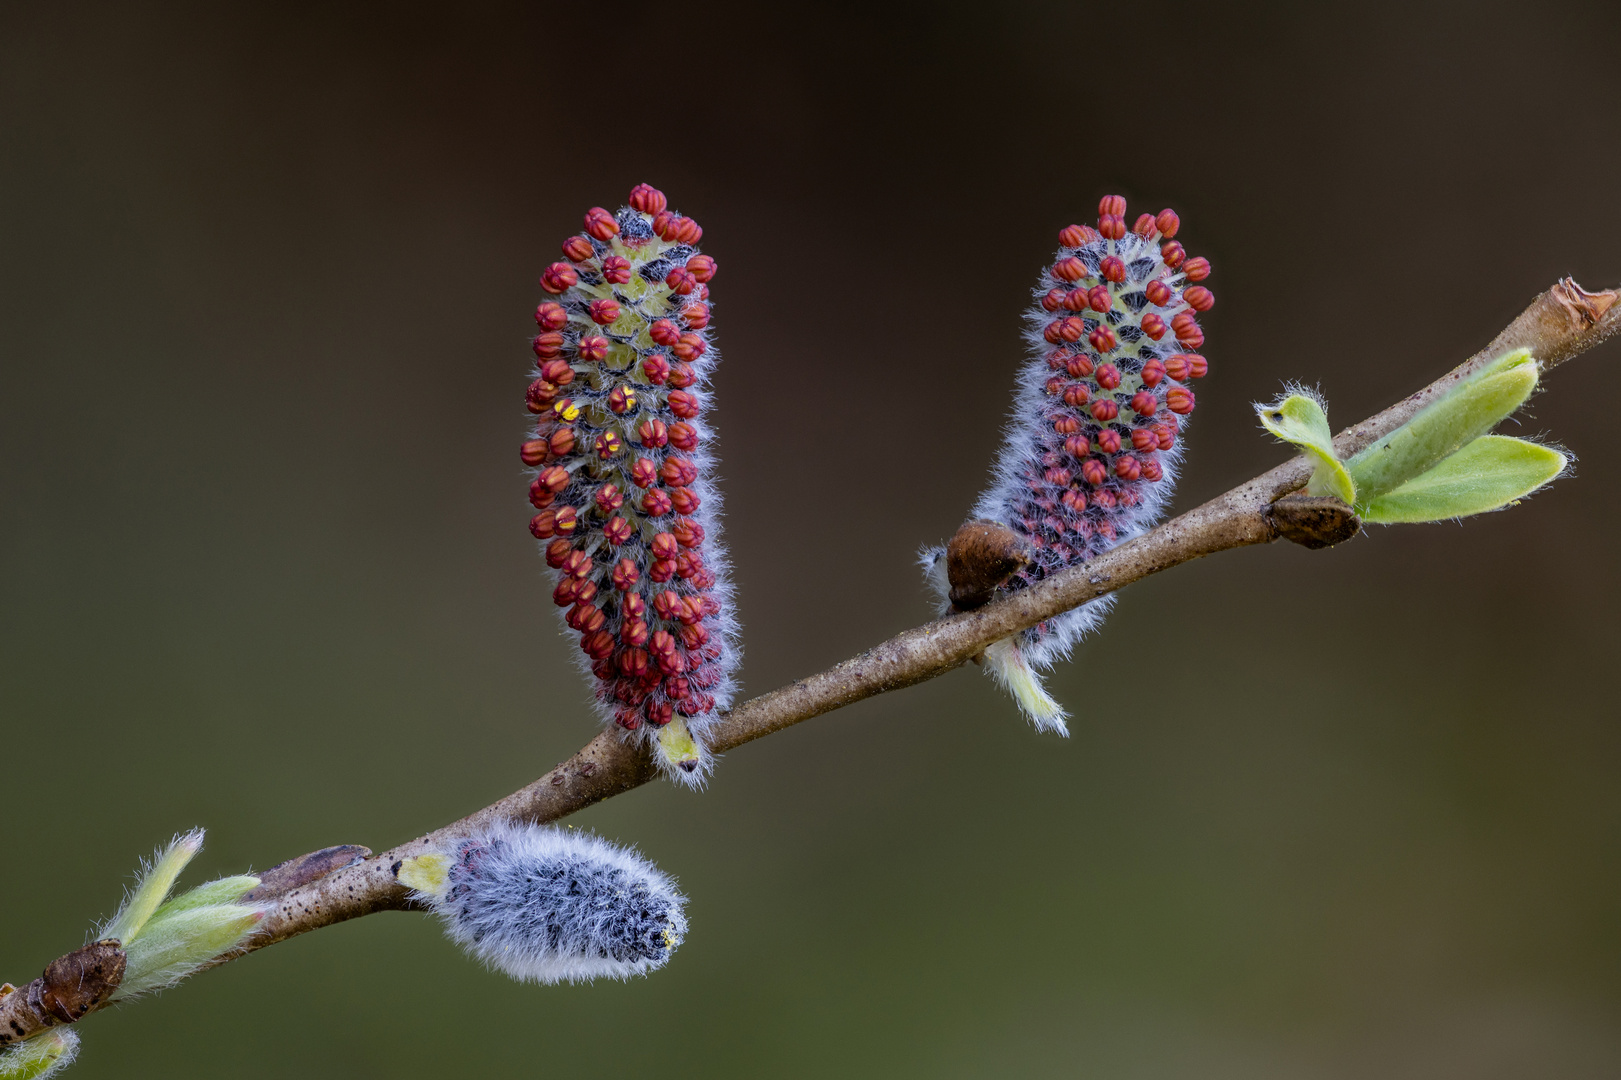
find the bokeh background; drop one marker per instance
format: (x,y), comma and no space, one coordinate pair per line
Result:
(266,276)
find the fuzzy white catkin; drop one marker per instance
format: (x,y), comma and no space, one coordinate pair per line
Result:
(548,905)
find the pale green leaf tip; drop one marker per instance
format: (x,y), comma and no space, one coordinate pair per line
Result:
(154,887)
(1300,420)
(1490,473)
(42,1056)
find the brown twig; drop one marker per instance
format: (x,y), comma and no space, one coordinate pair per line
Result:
(337,884)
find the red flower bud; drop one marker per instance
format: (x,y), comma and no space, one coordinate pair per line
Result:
(557,551)
(1173,254)
(644,473)
(1158,293)
(683,437)
(617,531)
(548,345)
(1104,410)
(656,367)
(1114,205)
(655,503)
(577,248)
(678,472)
(1074,236)
(689,534)
(682,376)
(1076,395)
(562,441)
(554,479)
(1144,403)
(1108,376)
(621,399)
(1179,399)
(604,312)
(681,281)
(557,372)
(1112,268)
(1187,330)
(652,433)
(1197,269)
(1166,435)
(1066,425)
(608,498)
(1153,326)
(600,224)
(685,501)
(1199,298)
(1103,339)
(1069,269)
(693,637)
(696,315)
(1054,300)
(1099,298)
(701,267)
(665,605)
(664,332)
(1112,227)
(1108,441)
(1144,225)
(1054,386)
(1167,222)
(683,404)
(647,199)
(598,645)
(551,316)
(1079,367)
(1126,468)
(1153,373)
(616,270)
(1075,500)
(1143,439)
(540,496)
(689,346)
(1093,472)
(1197,366)
(664,546)
(1077,446)
(1152,470)
(593,348)
(586,617)
(533,452)
(625,575)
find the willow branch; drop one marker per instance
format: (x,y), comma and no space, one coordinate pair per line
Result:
(337,884)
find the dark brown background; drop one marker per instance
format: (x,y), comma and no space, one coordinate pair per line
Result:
(267,275)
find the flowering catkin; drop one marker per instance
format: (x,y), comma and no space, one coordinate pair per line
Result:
(1092,445)
(622,475)
(549,905)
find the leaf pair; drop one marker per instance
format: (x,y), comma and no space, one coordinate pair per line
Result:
(1439,465)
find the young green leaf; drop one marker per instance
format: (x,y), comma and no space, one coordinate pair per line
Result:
(1299,419)
(154,886)
(39,1057)
(1489,473)
(1473,408)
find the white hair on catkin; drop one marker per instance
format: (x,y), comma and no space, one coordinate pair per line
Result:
(548,905)
(1091,448)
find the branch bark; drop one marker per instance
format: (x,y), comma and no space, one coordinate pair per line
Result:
(337,884)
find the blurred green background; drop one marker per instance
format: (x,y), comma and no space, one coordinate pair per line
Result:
(267,279)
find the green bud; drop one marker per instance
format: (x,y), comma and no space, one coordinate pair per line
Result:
(41,1056)
(1299,420)
(156,881)
(1440,430)
(227,890)
(1489,473)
